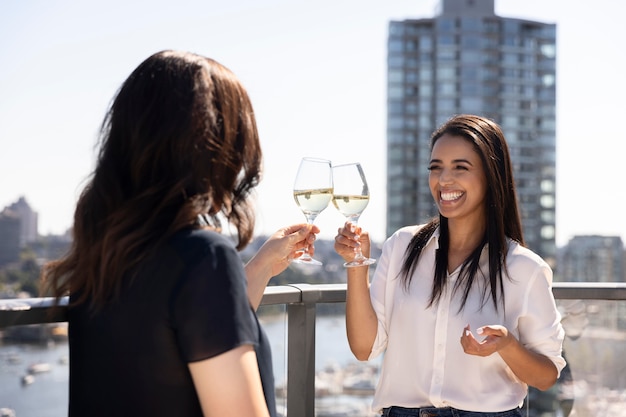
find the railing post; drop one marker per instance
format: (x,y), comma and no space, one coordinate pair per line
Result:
(301,360)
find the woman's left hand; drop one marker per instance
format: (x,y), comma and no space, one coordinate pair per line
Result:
(530,367)
(496,337)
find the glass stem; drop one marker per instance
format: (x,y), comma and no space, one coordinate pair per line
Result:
(310,219)
(358,254)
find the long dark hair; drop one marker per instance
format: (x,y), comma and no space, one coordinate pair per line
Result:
(178,142)
(503,219)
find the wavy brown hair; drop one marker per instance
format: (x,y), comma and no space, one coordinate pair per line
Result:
(178,142)
(501,211)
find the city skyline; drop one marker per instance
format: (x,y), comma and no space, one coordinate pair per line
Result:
(316,77)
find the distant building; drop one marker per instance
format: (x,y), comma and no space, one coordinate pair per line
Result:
(51,246)
(9,237)
(28,221)
(593,259)
(467,59)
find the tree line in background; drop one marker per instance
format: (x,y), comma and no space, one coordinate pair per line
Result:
(21,278)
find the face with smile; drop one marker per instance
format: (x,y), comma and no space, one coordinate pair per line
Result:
(457,179)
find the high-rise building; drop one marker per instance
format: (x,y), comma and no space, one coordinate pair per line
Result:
(466,59)
(28,221)
(9,237)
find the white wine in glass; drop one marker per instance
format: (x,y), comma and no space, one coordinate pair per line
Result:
(351,196)
(312,190)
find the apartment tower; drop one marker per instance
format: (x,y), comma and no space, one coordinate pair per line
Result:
(466,59)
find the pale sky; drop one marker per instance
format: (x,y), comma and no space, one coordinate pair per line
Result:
(315,72)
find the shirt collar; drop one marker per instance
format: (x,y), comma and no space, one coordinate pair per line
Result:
(435,237)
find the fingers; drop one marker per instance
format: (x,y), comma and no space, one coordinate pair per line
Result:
(467,338)
(346,242)
(345,238)
(493,330)
(471,346)
(305,243)
(299,229)
(493,339)
(467,332)
(301,234)
(351,231)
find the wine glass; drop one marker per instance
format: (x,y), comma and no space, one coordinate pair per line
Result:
(312,190)
(351,196)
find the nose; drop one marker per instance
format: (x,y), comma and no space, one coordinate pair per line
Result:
(445,177)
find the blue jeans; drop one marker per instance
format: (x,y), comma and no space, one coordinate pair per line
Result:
(445,412)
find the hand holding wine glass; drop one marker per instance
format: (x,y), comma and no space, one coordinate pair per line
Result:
(351,196)
(312,190)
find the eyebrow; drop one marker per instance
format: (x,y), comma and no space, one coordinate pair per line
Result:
(454,161)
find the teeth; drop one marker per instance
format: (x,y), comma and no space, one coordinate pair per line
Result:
(451,196)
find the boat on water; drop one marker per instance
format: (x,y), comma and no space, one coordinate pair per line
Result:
(39,368)
(7,412)
(26,380)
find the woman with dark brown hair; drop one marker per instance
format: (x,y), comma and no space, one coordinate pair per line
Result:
(162,310)
(463,273)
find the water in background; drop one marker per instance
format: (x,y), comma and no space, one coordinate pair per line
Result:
(46,395)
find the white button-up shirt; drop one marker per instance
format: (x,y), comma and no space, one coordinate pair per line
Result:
(424,363)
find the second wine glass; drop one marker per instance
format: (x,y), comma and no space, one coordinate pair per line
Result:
(312,190)
(350,196)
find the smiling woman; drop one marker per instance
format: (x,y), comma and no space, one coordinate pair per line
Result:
(465,271)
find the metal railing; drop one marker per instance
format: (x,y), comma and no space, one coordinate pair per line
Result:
(301,302)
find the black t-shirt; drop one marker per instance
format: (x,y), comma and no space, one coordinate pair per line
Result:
(188,303)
